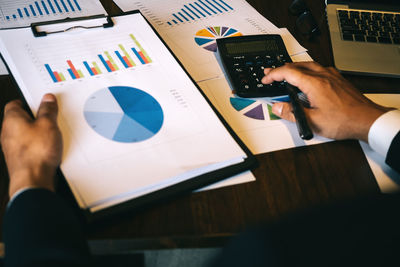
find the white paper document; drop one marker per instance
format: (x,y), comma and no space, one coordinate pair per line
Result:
(190,28)
(132,121)
(387,178)
(3,69)
(21,13)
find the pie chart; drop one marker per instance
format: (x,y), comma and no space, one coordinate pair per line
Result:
(124,114)
(206,38)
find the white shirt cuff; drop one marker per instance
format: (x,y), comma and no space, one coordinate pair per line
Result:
(383,131)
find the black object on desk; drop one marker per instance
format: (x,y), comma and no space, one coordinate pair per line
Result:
(298,111)
(244,60)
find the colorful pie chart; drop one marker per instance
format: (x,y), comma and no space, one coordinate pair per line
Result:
(206,38)
(124,114)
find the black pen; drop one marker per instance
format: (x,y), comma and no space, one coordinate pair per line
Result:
(298,111)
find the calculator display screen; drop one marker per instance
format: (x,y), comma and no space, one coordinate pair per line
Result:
(263,46)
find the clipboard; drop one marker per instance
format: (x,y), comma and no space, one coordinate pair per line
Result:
(173,190)
(37,33)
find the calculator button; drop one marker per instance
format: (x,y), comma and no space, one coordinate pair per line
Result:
(239,70)
(245,87)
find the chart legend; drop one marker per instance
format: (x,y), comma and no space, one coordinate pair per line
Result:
(206,38)
(124,114)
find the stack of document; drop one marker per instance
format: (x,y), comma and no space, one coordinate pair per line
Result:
(129,130)
(15,14)
(190,29)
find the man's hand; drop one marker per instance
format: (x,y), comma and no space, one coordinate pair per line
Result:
(338,110)
(32,148)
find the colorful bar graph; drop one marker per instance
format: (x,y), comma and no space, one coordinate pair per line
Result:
(119,59)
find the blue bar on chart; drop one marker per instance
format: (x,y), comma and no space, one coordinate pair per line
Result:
(51,6)
(199,9)
(33,10)
(38,8)
(64,5)
(43,8)
(58,6)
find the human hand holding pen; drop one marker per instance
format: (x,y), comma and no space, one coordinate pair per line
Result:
(337,109)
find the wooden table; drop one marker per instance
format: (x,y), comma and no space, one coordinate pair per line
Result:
(287,180)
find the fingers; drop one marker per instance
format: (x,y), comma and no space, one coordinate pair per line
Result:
(284,111)
(295,75)
(48,108)
(15,110)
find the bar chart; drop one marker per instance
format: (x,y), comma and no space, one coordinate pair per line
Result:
(198,10)
(23,13)
(20,10)
(119,57)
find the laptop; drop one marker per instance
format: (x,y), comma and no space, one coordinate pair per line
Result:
(365,36)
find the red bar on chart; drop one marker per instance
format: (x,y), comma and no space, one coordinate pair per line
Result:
(94,71)
(127,62)
(143,57)
(110,65)
(74,71)
(57,76)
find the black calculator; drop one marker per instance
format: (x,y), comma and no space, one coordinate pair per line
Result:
(244,59)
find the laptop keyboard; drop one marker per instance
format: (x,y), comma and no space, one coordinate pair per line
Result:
(371,27)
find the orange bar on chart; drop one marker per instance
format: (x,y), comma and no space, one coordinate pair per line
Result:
(74,71)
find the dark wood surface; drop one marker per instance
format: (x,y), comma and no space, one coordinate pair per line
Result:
(287,180)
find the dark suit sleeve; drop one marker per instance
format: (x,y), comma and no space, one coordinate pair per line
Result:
(393,156)
(41,230)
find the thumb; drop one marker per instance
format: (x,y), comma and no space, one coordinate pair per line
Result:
(284,111)
(48,108)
